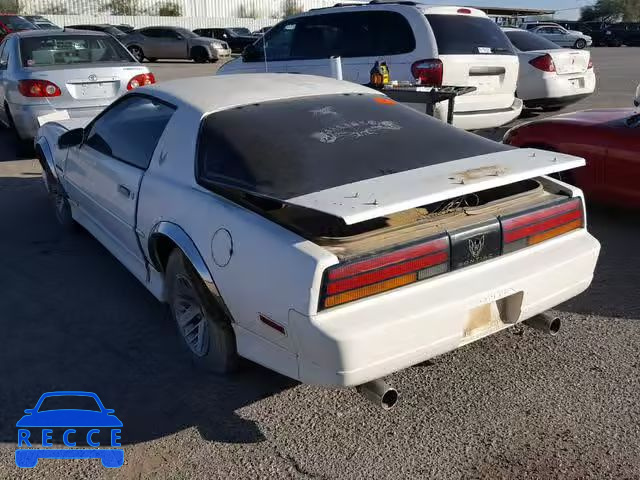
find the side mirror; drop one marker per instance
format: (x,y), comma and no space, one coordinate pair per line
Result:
(72,138)
(29,411)
(179,37)
(109,411)
(3,64)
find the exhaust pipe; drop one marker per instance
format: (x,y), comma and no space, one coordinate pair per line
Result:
(545,323)
(379,393)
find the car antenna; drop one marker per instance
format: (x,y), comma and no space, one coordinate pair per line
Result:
(264,50)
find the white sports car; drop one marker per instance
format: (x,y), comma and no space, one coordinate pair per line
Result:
(317,227)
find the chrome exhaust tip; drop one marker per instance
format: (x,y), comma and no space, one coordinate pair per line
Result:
(545,323)
(379,393)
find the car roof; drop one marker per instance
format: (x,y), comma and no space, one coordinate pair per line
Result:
(57,33)
(396,5)
(215,93)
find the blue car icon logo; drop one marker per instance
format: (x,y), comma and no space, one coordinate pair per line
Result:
(92,415)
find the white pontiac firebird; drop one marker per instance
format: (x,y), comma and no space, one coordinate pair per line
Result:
(317,227)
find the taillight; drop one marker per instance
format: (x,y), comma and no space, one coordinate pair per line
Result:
(590,64)
(524,229)
(428,72)
(38,88)
(544,63)
(464,11)
(382,272)
(141,80)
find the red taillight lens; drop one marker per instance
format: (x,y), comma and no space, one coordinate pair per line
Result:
(544,63)
(590,64)
(428,72)
(38,88)
(383,272)
(465,11)
(141,80)
(524,229)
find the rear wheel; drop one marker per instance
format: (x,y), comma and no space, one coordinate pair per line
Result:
(24,148)
(580,44)
(202,323)
(137,53)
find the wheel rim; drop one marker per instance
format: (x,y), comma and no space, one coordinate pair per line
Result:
(190,317)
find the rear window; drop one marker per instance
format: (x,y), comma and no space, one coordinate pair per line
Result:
(527,41)
(306,145)
(16,23)
(467,35)
(71,50)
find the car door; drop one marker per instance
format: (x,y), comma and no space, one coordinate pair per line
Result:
(174,44)
(103,175)
(561,37)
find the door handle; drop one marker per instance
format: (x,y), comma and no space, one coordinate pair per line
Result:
(124,191)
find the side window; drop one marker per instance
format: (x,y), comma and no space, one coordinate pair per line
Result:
(277,42)
(372,34)
(130,130)
(4,54)
(317,37)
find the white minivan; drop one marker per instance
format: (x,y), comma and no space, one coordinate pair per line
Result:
(440,46)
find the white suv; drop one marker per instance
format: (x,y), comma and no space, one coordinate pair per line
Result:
(451,46)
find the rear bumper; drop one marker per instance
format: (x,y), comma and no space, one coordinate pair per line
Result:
(369,339)
(25,117)
(479,119)
(555,102)
(558,90)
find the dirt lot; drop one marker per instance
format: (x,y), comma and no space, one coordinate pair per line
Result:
(516,405)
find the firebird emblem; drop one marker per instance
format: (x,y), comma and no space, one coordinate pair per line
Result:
(93,77)
(475,246)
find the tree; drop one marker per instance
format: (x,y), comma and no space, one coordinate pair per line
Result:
(122,7)
(9,6)
(291,7)
(169,8)
(611,10)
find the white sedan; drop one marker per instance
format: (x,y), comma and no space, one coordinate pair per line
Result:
(317,227)
(550,77)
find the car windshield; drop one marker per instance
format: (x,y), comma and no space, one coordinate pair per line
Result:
(240,31)
(186,33)
(306,145)
(527,41)
(467,35)
(16,23)
(71,49)
(116,32)
(69,402)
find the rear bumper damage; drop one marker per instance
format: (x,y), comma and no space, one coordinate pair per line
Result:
(368,339)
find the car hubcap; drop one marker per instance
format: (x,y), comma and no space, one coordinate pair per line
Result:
(191,319)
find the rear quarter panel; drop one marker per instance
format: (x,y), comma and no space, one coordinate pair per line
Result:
(270,271)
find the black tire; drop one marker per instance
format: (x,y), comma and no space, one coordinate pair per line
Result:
(580,44)
(202,323)
(137,52)
(24,148)
(199,55)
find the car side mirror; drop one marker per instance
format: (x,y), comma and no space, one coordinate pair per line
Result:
(250,53)
(72,138)
(109,411)
(29,411)
(3,64)
(179,37)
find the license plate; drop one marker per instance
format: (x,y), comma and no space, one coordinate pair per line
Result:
(95,90)
(577,82)
(485,83)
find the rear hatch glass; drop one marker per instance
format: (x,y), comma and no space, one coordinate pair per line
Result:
(468,35)
(529,42)
(71,50)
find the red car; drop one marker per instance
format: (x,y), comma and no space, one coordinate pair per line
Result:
(14,23)
(608,139)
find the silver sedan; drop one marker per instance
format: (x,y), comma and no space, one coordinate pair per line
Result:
(52,75)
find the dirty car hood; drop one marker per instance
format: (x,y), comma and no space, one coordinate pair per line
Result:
(380,196)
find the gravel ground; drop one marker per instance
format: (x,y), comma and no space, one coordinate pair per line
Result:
(515,405)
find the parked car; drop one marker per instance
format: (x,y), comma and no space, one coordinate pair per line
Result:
(550,77)
(329,247)
(44,72)
(262,31)
(434,45)
(125,28)
(103,27)
(544,23)
(14,23)
(236,38)
(563,37)
(608,138)
(627,32)
(153,43)
(41,22)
